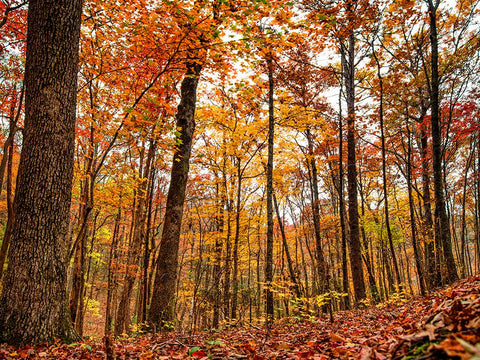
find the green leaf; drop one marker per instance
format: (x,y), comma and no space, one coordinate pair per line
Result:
(192,350)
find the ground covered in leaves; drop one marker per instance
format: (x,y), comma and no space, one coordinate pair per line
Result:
(443,325)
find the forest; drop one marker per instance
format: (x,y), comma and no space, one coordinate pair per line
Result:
(188,166)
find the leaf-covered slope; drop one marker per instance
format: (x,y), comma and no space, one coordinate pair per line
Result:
(443,325)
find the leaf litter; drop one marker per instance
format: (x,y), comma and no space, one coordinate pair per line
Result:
(442,325)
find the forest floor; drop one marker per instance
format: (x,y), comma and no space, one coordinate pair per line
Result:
(443,325)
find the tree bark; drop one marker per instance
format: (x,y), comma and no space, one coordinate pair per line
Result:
(321,264)
(441,226)
(122,319)
(236,239)
(291,270)
(354,235)
(341,199)
(384,173)
(7,162)
(432,258)
(217,267)
(269,250)
(413,227)
(34,303)
(162,305)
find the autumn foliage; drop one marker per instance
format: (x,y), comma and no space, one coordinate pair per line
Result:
(368,207)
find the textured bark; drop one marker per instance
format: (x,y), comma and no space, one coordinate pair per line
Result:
(441,226)
(34,304)
(269,250)
(162,304)
(354,238)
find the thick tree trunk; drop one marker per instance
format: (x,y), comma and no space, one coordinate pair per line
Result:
(34,303)
(442,226)
(162,304)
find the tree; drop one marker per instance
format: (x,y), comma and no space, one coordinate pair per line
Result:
(34,305)
(442,226)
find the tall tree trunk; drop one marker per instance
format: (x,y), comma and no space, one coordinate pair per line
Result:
(123,312)
(477,212)
(291,271)
(7,162)
(463,241)
(217,267)
(442,226)
(34,303)
(269,251)
(111,279)
(411,204)
(321,264)
(228,257)
(162,304)
(80,245)
(354,238)
(341,199)
(365,253)
(148,250)
(236,239)
(432,253)
(384,173)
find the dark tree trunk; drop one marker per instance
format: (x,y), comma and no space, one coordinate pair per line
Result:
(354,238)
(34,302)
(269,250)
(236,240)
(442,226)
(432,258)
(148,250)
(111,280)
(384,173)
(228,257)
(217,267)
(162,304)
(341,199)
(411,203)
